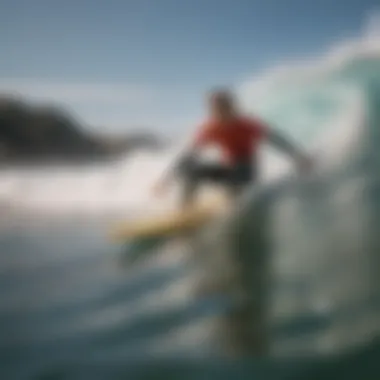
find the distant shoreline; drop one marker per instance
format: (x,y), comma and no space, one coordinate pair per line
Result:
(38,134)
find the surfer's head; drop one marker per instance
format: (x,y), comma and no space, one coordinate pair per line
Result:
(221,104)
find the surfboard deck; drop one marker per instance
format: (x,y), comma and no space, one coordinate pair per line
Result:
(168,224)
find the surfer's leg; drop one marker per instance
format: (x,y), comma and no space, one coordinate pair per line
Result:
(242,176)
(186,171)
(190,187)
(194,174)
(235,190)
(200,175)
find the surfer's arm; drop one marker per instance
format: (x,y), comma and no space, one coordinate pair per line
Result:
(178,163)
(283,144)
(202,138)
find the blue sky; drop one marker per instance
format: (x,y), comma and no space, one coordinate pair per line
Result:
(122,63)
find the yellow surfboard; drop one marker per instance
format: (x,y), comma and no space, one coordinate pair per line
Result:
(168,223)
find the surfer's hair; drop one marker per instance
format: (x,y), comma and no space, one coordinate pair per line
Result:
(221,95)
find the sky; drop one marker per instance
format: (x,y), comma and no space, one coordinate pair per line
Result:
(125,64)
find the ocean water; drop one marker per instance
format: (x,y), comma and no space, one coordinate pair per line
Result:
(70,307)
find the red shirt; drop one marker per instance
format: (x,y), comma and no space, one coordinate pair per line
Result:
(238,139)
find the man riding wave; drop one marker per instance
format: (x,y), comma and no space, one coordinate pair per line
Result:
(239,137)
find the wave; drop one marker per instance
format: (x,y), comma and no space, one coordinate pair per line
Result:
(309,246)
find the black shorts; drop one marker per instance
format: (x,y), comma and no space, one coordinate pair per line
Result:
(240,174)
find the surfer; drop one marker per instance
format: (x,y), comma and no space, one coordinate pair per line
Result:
(239,138)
